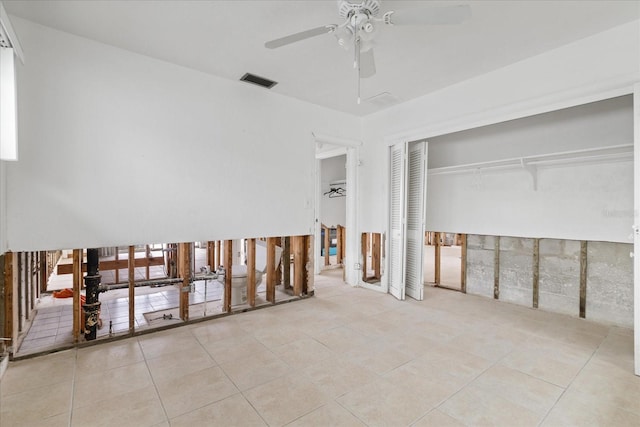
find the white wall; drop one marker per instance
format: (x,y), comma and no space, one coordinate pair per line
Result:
(597,67)
(333,209)
(117,148)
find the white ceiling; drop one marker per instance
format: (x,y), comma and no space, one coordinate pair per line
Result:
(226,38)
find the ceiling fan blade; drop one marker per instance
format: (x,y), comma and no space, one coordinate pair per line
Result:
(292,38)
(367,64)
(429,16)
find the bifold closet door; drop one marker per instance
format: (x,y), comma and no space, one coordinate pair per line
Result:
(396,219)
(415,218)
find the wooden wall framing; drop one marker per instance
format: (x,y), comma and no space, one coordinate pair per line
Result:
(25,275)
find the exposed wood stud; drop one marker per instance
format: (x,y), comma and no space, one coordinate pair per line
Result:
(496,268)
(114,265)
(211,249)
(536,272)
(271,269)
(228,272)
(216,263)
(148,257)
(438,257)
(77,280)
(297,243)
(9,292)
(463,263)
(26,284)
(19,293)
(327,244)
(34,278)
(364,244)
(132,287)
(375,257)
(278,270)
(117,258)
(184,269)
(44,276)
(286,262)
(583,279)
(340,243)
(309,265)
(251,272)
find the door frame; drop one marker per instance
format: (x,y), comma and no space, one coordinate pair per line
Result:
(351,255)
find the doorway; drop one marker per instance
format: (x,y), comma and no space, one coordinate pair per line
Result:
(333,212)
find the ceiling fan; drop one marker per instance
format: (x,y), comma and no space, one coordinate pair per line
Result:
(361,23)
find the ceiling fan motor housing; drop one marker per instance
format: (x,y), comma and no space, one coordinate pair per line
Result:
(367,7)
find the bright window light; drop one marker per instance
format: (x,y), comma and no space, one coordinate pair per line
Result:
(8,123)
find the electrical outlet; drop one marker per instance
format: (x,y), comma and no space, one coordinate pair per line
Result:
(357,266)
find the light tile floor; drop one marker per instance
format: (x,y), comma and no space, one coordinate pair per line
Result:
(347,357)
(52,325)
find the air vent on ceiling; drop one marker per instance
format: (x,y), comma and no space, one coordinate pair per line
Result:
(257,80)
(383,99)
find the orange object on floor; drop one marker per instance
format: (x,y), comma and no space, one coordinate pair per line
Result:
(64,293)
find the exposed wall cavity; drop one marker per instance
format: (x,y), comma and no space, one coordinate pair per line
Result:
(516,270)
(610,283)
(609,278)
(560,276)
(480,265)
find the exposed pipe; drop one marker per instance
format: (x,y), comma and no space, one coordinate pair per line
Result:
(156,282)
(92,304)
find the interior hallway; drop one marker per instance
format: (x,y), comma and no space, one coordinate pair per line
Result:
(348,356)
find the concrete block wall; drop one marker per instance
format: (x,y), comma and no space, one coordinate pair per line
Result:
(609,279)
(610,283)
(516,270)
(480,265)
(560,276)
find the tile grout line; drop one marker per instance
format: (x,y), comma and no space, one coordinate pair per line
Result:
(153,381)
(73,385)
(464,386)
(573,379)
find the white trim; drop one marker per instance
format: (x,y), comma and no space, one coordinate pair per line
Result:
(316,226)
(327,154)
(322,139)
(351,226)
(636,227)
(351,223)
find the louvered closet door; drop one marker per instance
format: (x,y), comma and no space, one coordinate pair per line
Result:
(396,221)
(415,215)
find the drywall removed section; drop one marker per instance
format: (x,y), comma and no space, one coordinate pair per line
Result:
(516,270)
(480,265)
(610,283)
(117,148)
(560,276)
(609,278)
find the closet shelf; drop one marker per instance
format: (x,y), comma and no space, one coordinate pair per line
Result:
(607,154)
